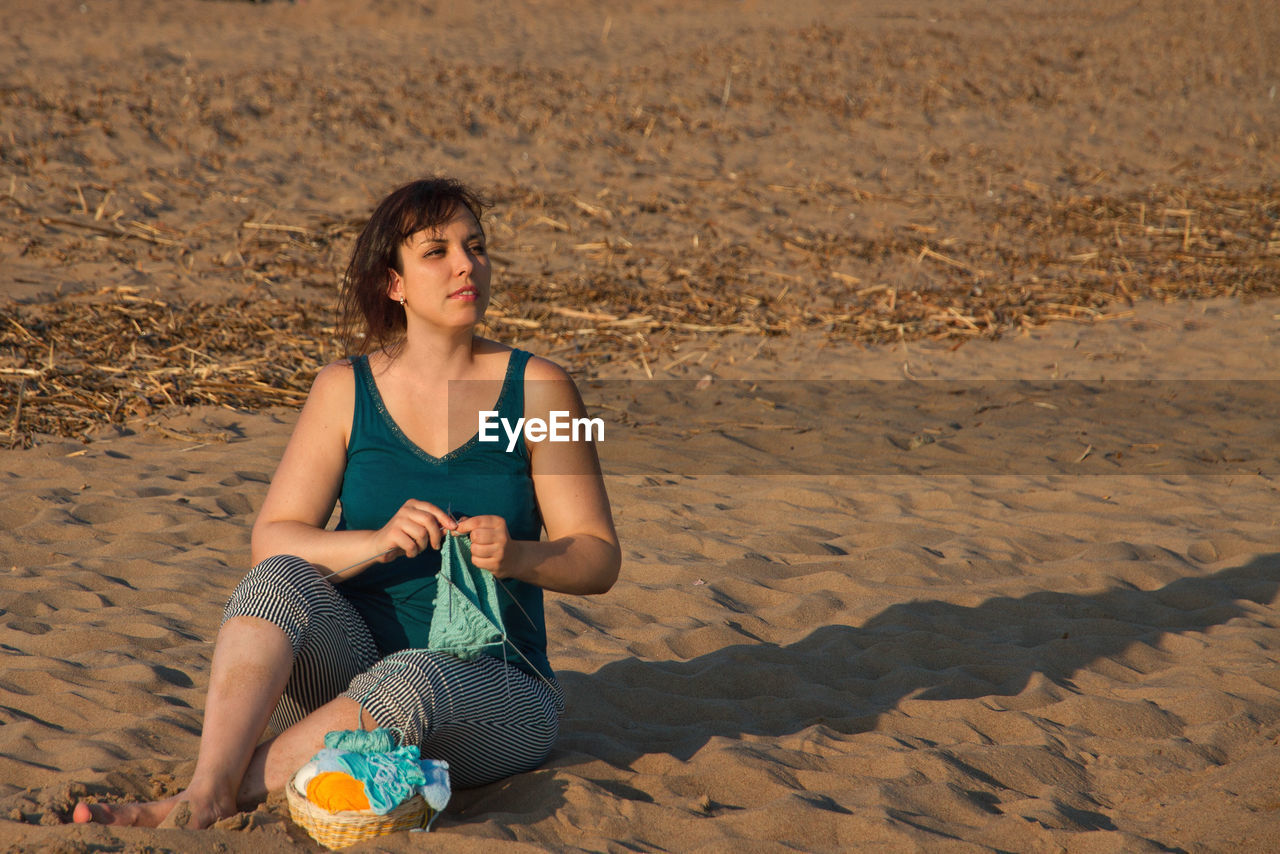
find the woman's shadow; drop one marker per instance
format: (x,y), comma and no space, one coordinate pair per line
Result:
(844,677)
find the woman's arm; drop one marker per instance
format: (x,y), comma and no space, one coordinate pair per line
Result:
(306,485)
(581,553)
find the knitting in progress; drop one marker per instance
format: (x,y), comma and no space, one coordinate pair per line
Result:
(468,616)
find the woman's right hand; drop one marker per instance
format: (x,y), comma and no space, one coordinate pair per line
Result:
(416,525)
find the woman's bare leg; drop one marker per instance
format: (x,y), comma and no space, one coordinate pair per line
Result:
(251,664)
(275,761)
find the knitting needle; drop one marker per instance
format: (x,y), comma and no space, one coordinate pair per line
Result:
(360,562)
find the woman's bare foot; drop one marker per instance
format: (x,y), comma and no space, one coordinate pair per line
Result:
(181,811)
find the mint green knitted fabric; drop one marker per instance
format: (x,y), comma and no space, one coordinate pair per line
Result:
(467,618)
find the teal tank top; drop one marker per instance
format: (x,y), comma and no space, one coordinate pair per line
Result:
(385,469)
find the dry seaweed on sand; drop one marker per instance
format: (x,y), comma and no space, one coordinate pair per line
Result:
(82,364)
(76,364)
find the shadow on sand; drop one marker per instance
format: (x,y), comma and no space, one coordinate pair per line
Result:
(843,677)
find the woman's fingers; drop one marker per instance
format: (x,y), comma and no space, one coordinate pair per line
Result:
(426,532)
(416,525)
(490,542)
(475,524)
(434,519)
(446,520)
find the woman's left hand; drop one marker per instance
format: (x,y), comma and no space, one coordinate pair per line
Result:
(492,548)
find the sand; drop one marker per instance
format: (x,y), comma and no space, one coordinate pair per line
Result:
(929,594)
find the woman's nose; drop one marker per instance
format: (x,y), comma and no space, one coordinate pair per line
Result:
(466,262)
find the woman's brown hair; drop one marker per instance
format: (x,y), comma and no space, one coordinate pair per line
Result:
(368,318)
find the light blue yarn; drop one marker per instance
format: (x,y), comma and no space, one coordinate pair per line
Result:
(390,774)
(380,740)
(389,778)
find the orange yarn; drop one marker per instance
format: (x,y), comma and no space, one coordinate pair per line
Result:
(336,791)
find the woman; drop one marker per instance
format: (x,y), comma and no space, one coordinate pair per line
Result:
(306,637)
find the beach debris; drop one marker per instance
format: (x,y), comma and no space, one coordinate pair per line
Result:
(79,363)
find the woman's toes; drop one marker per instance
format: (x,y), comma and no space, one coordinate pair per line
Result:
(125,814)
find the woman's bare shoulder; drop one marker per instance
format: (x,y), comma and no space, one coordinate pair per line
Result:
(547,387)
(334,386)
(543,369)
(333,374)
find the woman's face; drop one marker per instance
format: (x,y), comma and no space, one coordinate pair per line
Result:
(446,272)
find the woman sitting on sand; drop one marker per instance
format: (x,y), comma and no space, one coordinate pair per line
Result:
(306,636)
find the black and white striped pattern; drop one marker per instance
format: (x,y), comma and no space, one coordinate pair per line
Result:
(486,718)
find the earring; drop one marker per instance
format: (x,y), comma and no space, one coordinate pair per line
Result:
(402,302)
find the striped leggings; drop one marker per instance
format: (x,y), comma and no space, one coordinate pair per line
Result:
(484,717)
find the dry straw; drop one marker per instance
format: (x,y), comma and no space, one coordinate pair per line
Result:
(77,364)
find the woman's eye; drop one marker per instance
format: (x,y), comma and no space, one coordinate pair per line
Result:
(478,249)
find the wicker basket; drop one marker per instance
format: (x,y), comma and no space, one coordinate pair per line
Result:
(340,829)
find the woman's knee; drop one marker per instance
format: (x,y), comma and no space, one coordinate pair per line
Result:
(283,590)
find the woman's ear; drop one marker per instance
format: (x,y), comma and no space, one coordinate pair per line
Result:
(395,285)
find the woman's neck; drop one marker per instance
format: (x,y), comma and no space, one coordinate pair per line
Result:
(442,355)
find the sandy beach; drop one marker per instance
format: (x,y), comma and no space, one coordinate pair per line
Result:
(936,351)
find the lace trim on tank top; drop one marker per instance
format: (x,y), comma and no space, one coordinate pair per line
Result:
(375,396)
